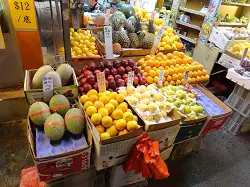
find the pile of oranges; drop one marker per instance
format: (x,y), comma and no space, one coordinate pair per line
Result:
(174,66)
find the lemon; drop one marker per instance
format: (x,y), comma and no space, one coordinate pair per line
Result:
(92,39)
(71,30)
(91,110)
(107,121)
(112,131)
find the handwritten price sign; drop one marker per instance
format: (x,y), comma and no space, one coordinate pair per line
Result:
(130,78)
(186,74)
(101,81)
(47,88)
(108,41)
(156,42)
(23,14)
(161,76)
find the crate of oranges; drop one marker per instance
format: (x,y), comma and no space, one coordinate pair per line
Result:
(174,66)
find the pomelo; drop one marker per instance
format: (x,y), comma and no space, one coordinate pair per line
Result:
(75,121)
(65,71)
(37,80)
(59,104)
(54,127)
(39,112)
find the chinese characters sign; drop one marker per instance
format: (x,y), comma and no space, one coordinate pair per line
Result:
(101,81)
(156,42)
(161,76)
(108,41)
(23,14)
(2,44)
(130,78)
(47,88)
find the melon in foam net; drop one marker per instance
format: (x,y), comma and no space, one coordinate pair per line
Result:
(65,72)
(39,112)
(37,80)
(75,121)
(57,83)
(54,127)
(59,104)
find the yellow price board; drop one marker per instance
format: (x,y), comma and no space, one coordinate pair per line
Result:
(23,14)
(2,44)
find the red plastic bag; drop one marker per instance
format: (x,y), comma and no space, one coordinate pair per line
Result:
(29,178)
(145,158)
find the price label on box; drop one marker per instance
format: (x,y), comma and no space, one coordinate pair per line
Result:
(130,78)
(47,88)
(23,14)
(108,41)
(2,44)
(101,81)
(161,76)
(157,41)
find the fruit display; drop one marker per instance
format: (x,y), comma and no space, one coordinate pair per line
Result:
(116,74)
(185,102)
(150,104)
(169,41)
(231,33)
(54,117)
(61,76)
(238,49)
(143,14)
(228,19)
(87,19)
(83,44)
(164,12)
(174,66)
(109,113)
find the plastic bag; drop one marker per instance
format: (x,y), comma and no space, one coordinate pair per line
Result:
(29,178)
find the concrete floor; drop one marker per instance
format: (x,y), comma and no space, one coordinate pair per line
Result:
(224,160)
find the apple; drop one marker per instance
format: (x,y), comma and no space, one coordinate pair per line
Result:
(117,77)
(87,72)
(83,81)
(106,72)
(187,110)
(170,92)
(125,76)
(142,80)
(95,86)
(186,101)
(200,109)
(80,89)
(87,87)
(108,64)
(113,71)
(117,63)
(100,66)
(136,70)
(91,79)
(177,103)
(97,71)
(120,83)
(179,95)
(190,95)
(136,81)
(124,63)
(131,63)
(121,70)
(128,69)
(112,84)
(170,99)
(110,78)
(107,83)
(85,67)
(91,66)
(180,87)
(78,72)
(191,117)
(173,88)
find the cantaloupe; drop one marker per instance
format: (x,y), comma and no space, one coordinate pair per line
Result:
(65,71)
(57,83)
(37,80)
(38,113)
(54,127)
(75,121)
(59,104)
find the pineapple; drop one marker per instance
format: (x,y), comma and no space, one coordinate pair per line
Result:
(123,38)
(148,40)
(134,40)
(141,37)
(115,28)
(117,48)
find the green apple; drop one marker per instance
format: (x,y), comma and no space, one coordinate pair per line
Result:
(182,111)
(187,110)
(200,109)
(186,101)
(170,92)
(170,99)
(177,103)
(190,95)
(183,95)
(195,108)
(179,95)
(180,87)
(166,105)
(191,117)
(200,116)
(164,89)
(173,88)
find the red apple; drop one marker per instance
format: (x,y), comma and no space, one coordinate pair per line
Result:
(108,64)
(106,72)
(131,63)
(110,78)
(117,77)
(116,90)
(136,81)
(114,71)
(121,70)
(136,70)
(120,83)
(83,81)
(97,71)
(142,80)
(78,72)
(117,63)
(91,79)
(85,67)
(124,63)
(112,84)
(87,87)
(91,66)
(87,72)
(80,89)
(100,66)
(125,76)
(128,69)
(107,83)
(95,86)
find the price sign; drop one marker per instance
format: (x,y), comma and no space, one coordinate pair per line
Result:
(186,77)
(107,15)
(108,41)
(2,44)
(166,20)
(156,42)
(130,78)
(101,81)
(161,76)
(47,88)
(23,14)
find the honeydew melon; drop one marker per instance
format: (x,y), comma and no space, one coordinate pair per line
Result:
(56,78)
(65,71)
(75,121)
(37,80)
(59,104)
(38,113)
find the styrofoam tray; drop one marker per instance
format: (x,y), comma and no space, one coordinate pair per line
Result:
(238,79)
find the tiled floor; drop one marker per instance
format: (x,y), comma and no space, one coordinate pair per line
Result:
(223,161)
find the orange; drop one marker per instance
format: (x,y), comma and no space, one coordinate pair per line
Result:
(189,80)
(180,76)
(166,83)
(92,92)
(179,45)
(165,57)
(202,78)
(199,73)
(117,114)
(120,98)
(179,61)
(145,74)
(100,129)
(191,74)
(83,99)
(104,99)
(172,66)
(174,77)
(173,61)
(195,74)
(198,79)
(175,53)
(166,73)
(181,55)
(142,71)
(158,58)
(182,81)
(200,67)
(154,68)
(148,57)
(170,55)
(193,80)
(150,80)
(107,121)
(185,60)
(157,72)
(156,79)
(93,98)
(189,59)
(161,68)
(176,70)
(152,73)
(141,61)
(169,78)
(170,71)
(178,82)
(160,54)
(157,64)
(172,83)
(170,42)
(163,63)
(168,62)
(181,69)
(147,68)
(204,72)
(150,63)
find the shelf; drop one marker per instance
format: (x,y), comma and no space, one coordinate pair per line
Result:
(192,11)
(187,38)
(237,4)
(188,25)
(232,24)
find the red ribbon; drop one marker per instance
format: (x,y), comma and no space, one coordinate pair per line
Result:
(39,113)
(72,117)
(54,123)
(60,107)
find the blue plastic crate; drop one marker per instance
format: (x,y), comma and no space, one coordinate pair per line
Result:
(208,104)
(45,147)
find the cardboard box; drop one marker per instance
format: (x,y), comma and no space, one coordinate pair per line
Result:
(239,100)
(218,38)
(32,95)
(57,166)
(185,148)
(166,153)
(228,61)
(120,178)
(214,122)
(238,79)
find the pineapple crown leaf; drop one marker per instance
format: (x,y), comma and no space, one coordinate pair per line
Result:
(151,27)
(138,26)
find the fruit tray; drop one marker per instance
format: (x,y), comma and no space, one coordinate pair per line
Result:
(45,147)
(208,104)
